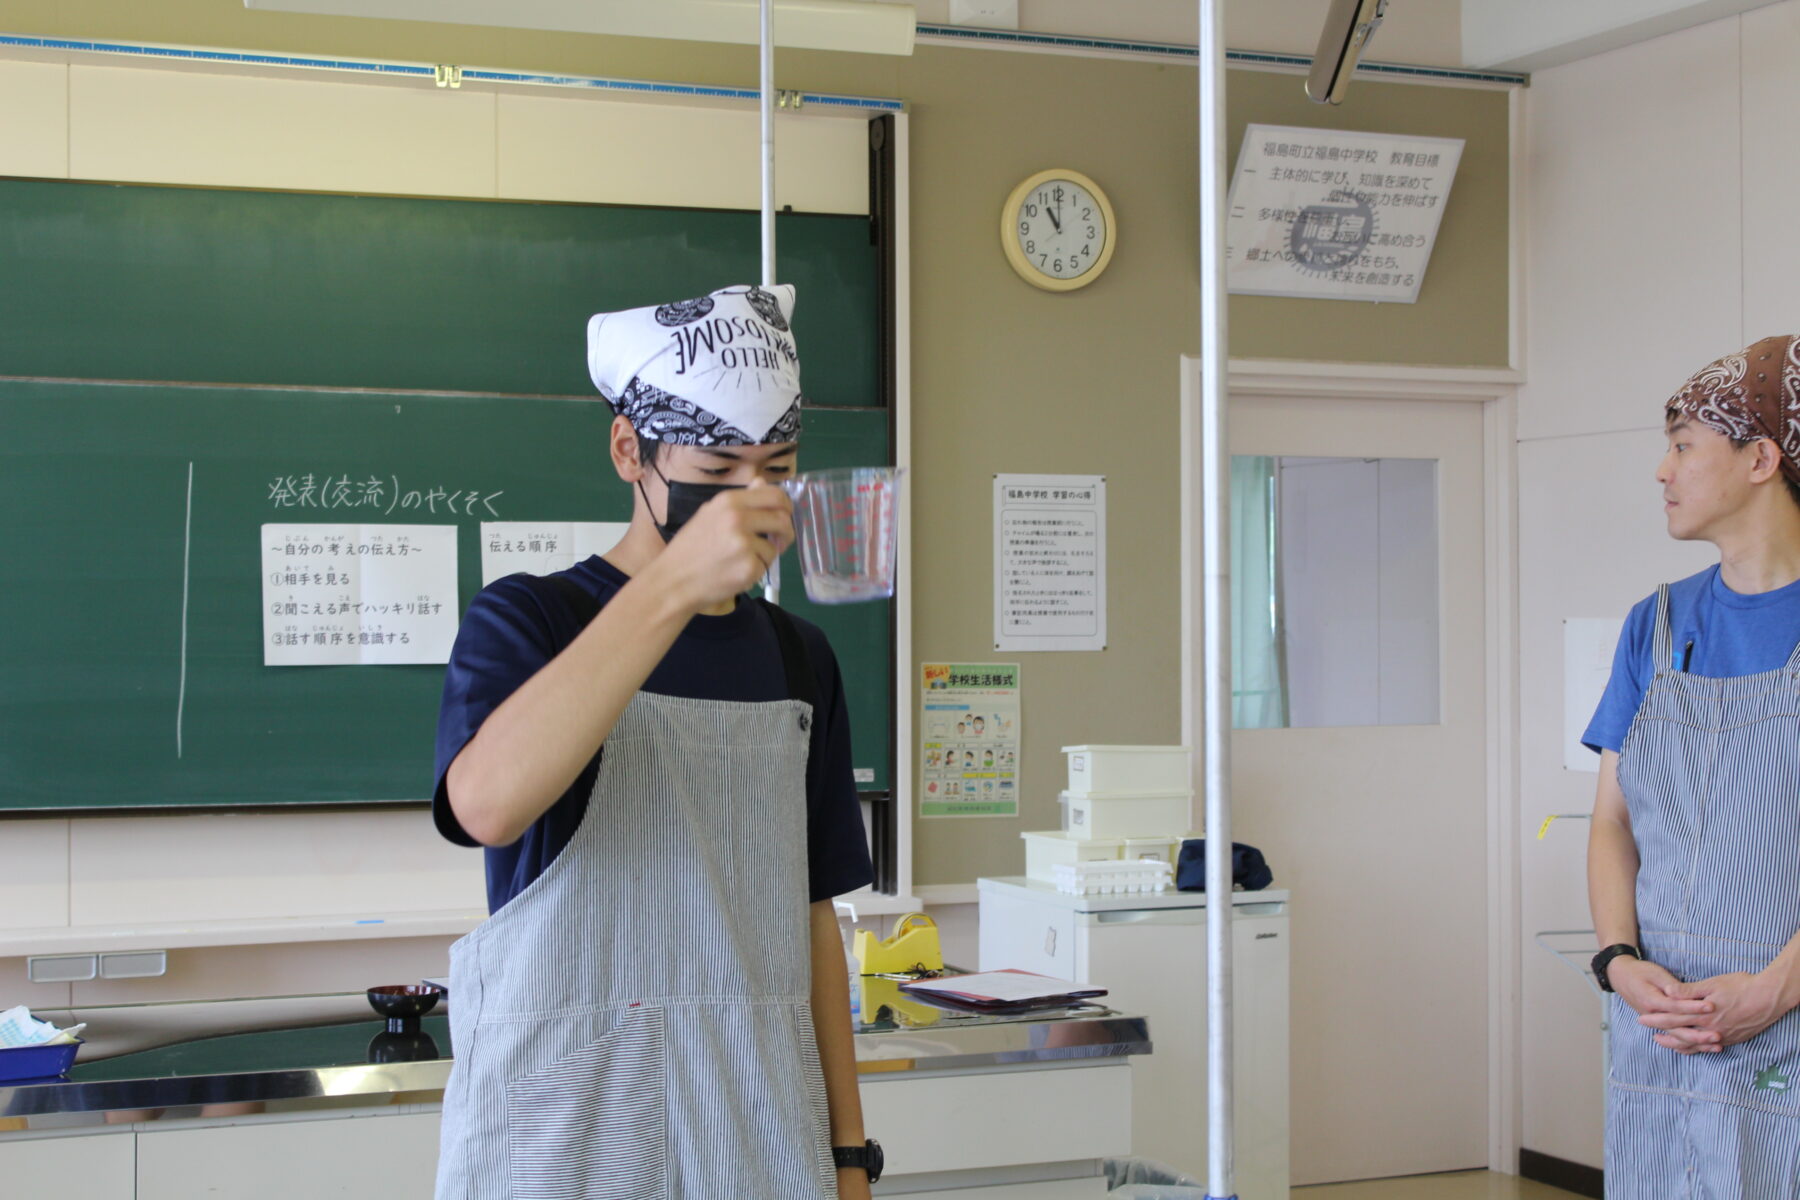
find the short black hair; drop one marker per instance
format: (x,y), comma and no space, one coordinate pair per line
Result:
(649,450)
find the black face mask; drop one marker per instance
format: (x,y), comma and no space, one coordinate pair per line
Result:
(684,501)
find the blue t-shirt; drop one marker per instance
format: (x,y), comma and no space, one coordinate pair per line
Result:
(515,626)
(1730,634)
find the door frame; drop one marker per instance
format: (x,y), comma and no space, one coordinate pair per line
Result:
(1496,391)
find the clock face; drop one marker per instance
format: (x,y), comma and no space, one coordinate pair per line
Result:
(1061,229)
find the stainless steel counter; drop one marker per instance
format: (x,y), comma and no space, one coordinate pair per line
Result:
(235,1074)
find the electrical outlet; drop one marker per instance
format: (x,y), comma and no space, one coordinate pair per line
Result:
(988,14)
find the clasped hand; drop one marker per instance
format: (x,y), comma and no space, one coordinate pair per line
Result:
(1700,1017)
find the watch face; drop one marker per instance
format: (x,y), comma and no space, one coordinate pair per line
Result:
(1061,228)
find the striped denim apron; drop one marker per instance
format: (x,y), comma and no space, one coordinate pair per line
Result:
(1711,774)
(635,1024)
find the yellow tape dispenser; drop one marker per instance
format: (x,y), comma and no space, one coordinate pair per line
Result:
(882,998)
(913,947)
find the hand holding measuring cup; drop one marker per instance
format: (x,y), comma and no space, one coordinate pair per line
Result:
(726,545)
(846,521)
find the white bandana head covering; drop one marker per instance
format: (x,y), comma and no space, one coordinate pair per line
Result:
(717,370)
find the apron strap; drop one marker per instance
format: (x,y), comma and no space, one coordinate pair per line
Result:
(796,664)
(802,684)
(1663,655)
(580,602)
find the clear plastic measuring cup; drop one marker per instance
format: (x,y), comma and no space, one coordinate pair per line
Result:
(846,519)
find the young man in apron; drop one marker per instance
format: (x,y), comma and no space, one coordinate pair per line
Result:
(657,1007)
(1694,855)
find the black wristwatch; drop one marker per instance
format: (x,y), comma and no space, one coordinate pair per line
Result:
(1605,957)
(867,1156)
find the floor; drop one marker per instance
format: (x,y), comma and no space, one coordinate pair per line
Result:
(1464,1185)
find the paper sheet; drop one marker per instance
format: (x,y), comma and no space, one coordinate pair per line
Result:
(970,735)
(1588,645)
(1049,562)
(358,595)
(542,547)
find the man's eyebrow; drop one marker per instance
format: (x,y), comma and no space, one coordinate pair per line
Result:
(737,456)
(1677,427)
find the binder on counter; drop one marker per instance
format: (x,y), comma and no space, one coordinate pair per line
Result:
(1006,990)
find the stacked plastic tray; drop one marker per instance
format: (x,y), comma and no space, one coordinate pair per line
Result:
(1127,809)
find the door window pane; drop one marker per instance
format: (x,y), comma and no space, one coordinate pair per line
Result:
(1334,591)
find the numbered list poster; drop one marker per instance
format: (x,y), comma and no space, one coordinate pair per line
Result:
(969,734)
(1049,562)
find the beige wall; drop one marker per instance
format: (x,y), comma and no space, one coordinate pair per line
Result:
(1007,378)
(1659,241)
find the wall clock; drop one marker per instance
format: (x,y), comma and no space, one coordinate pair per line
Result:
(1058,231)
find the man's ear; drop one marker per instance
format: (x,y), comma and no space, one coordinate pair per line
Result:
(623,443)
(1768,460)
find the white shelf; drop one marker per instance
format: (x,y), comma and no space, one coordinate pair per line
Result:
(181,935)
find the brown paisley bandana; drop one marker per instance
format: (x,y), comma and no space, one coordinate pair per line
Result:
(1754,393)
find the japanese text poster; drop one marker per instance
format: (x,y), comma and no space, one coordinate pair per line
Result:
(1335,214)
(969,744)
(1049,562)
(542,547)
(349,595)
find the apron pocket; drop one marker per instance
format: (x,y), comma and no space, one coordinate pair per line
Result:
(591,1125)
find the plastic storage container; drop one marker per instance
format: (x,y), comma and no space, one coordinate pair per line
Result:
(1161,847)
(1129,768)
(1045,850)
(1126,814)
(37,1062)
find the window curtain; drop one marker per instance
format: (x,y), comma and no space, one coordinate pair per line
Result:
(1258,664)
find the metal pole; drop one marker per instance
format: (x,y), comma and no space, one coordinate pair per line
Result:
(768,142)
(1215,475)
(772,578)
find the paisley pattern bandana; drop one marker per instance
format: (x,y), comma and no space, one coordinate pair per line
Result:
(717,370)
(1754,393)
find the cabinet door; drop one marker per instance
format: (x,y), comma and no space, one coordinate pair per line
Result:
(93,1167)
(393,1157)
(930,1122)
(1154,965)
(1026,936)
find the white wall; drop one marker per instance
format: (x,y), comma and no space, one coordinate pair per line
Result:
(1658,198)
(84,119)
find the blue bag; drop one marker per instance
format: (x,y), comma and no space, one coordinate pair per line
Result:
(1248,868)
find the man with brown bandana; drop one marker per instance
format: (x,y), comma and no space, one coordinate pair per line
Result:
(1694,855)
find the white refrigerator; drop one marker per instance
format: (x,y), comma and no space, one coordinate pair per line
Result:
(1149,952)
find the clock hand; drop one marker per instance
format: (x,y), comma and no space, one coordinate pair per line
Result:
(1051,213)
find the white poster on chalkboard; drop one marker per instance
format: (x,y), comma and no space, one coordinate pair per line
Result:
(1335,214)
(543,547)
(358,595)
(1049,562)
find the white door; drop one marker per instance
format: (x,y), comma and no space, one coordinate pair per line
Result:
(1375,815)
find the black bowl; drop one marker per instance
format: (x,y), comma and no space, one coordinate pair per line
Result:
(404,1003)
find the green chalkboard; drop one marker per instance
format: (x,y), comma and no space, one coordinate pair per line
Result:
(113,282)
(131,609)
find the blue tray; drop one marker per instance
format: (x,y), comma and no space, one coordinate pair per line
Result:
(37,1062)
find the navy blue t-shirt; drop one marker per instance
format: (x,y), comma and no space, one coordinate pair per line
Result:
(1731,634)
(516,625)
